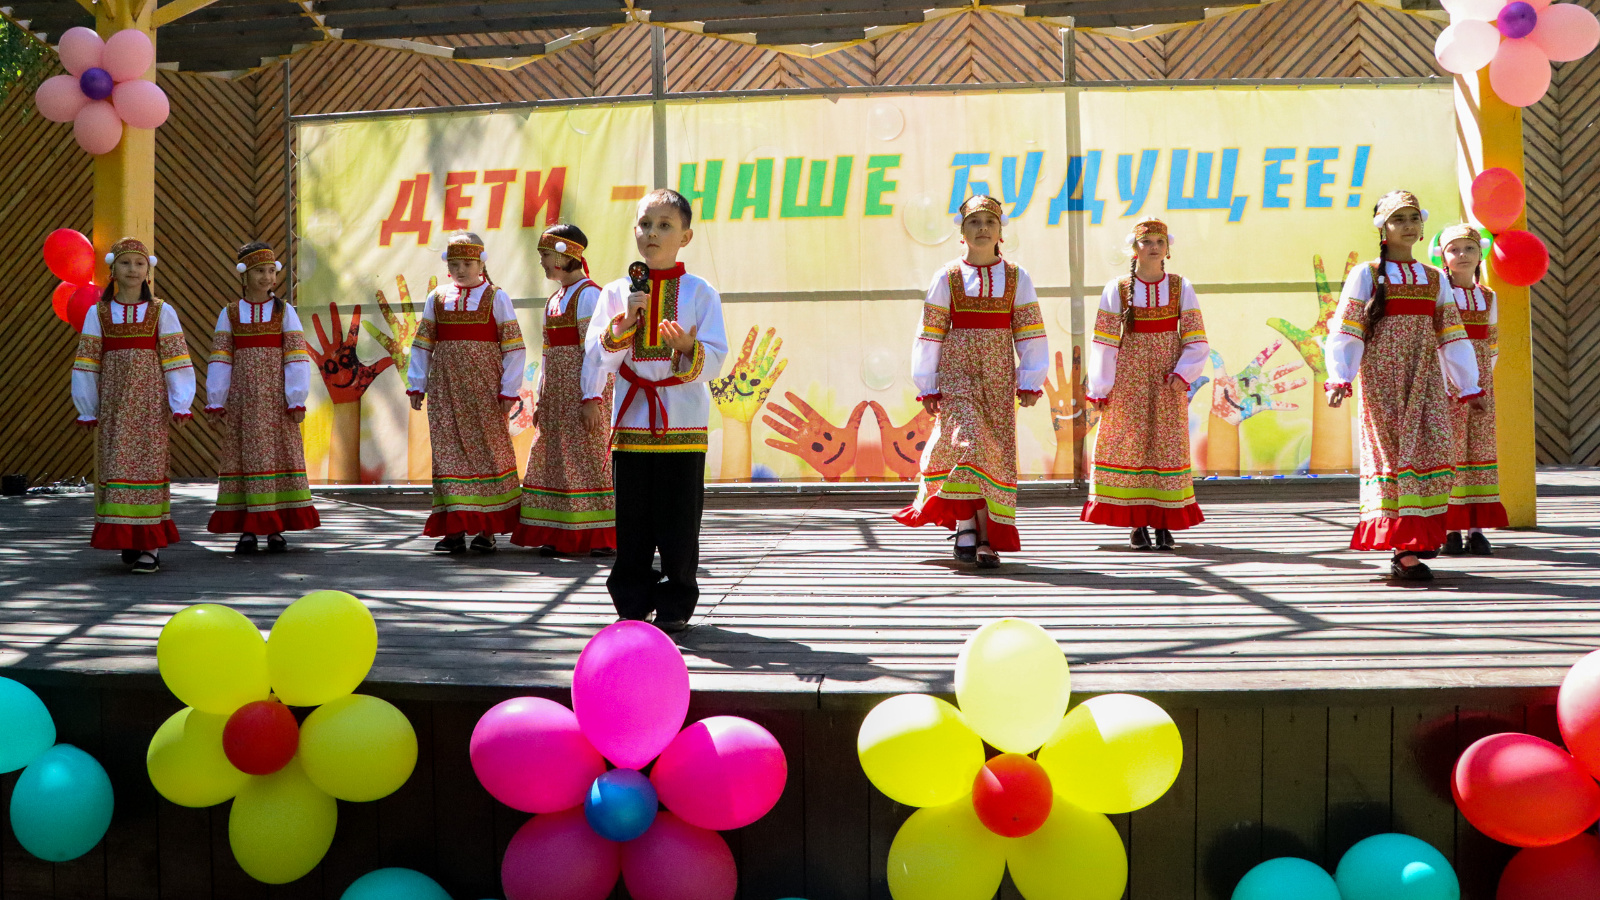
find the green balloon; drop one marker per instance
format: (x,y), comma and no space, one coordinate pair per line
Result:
(29,730)
(61,806)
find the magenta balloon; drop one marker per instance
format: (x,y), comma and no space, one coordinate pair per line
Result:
(677,861)
(1524,791)
(1519,72)
(129,54)
(1566,31)
(559,857)
(81,50)
(59,98)
(98,128)
(631,691)
(141,103)
(1578,712)
(1516,19)
(530,754)
(721,773)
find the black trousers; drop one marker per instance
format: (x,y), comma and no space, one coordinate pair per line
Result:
(659,500)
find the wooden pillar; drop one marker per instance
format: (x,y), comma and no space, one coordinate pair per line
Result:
(1489,135)
(125,178)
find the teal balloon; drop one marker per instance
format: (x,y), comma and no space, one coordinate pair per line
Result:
(61,806)
(1396,867)
(29,730)
(1287,878)
(394,884)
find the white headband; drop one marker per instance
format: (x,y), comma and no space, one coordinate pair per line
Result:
(111,258)
(278,267)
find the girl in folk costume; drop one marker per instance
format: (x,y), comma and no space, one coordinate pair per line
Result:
(1398,323)
(257,380)
(132,371)
(981,350)
(1475,498)
(468,358)
(1149,346)
(568,507)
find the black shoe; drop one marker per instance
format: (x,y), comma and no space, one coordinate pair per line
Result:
(1453,545)
(1164,540)
(603,552)
(1139,538)
(549,551)
(1417,572)
(1478,545)
(1424,554)
(247,544)
(672,626)
(985,556)
(129,557)
(966,554)
(147,563)
(483,544)
(277,543)
(455,543)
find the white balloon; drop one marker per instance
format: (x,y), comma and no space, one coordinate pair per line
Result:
(1466,46)
(1480,10)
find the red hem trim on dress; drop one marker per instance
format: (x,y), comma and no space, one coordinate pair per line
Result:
(133,537)
(572,542)
(444,524)
(1142,515)
(1469,397)
(299,518)
(1399,533)
(183,415)
(88,423)
(946,513)
(1461,516)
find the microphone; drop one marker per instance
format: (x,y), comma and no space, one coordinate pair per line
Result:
(639,277)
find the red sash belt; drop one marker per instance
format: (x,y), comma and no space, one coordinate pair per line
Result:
(145,342)
(651,396)
(972,319)
(241,341)
(1409,307)
(1478,332)
(471,331)
(1166,323)
(561,336)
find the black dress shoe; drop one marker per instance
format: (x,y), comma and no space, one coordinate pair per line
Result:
(1478,545)
(129,557)
(1453,545)
(1417,572)
(1164,540)
(1139,538)
(147,563)
(483,544)
(968,553)
(247,544)
(672,626)
(603,552)
(277,543)
(453,544)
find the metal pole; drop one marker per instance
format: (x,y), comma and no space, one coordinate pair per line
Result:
(658,95)
(288,181)
(1075,230)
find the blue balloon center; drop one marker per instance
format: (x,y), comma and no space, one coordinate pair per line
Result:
(621,805)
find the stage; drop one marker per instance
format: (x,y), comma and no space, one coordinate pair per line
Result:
(1319,703)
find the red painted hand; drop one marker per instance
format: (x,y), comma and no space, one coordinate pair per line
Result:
(345,376)
(828,448)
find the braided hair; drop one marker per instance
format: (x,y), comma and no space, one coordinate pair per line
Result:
(1127,308)
(1380,285)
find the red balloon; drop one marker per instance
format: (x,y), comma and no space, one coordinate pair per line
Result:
(1498,198)
(84,297)
(1519,257)
(69,256)
(1578,712)
(1012,795)
(261,737)
(557,856)
(677,861)
(60,297)
(1562,872)
(1524,791)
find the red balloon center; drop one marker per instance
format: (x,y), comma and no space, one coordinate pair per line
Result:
(261,737)
(1012,795)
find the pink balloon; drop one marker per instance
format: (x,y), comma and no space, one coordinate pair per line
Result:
(60,99)
(631,691)
(530,755)
(128,55)
(721,773)
(559,857)
(140,103)
(98,128)
(1566,31)
(81,50)
(1578,712)
(1519,72)
(1524,791)
(677,861)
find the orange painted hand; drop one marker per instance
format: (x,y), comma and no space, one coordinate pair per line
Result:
(1069,399)
(344,374)
(828,448)
(740,393)
(402,328)
(903,444)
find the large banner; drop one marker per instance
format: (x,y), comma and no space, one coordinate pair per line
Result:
(823,220)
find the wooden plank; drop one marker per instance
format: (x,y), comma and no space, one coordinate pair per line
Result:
(1162,852)
(407,817)
(837,797)
(129,719)
(1423,807)
(1228,766)
(1360,763)
(467,863)
(1479,859)
(1294,786)
(768,863)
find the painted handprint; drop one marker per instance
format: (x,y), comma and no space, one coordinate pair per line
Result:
(828,448)
(1310,342)
(345,376)
(525,412)
(402,328)
(740,393)
(903,444)
(1071,414)
(1249,392)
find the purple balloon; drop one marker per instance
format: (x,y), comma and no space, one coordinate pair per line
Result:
(1516,20)
(96,83)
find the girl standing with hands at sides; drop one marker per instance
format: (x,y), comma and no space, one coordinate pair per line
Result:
(568,507)
(1475,498)
(1149,346)
(256,383)
(467,361)
(131,372)
(1397,324)
(980,352)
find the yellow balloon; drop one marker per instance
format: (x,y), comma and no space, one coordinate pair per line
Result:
(1075,855)
(281,825)
(186,762)
(1012,684)
(213,659)
(945,853)
(321,648)
(1114,754)
(918,750)
(358,748)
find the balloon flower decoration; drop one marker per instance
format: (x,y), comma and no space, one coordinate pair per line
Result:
(70,257)
(1044,817)
(238,739)
(61,805)
(630,694)
(104,88)
(1382,867)
(1497,201)
(1517,40)
(1528,792)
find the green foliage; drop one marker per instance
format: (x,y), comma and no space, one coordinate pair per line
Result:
(24,59)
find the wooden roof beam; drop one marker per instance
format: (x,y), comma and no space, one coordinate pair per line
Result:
(707,10)
(809,36)
(1081,8)
(541,9)
(484,26)
(769,24)
(174,10)
(498,51)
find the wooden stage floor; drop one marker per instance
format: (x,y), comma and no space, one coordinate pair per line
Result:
(811,596)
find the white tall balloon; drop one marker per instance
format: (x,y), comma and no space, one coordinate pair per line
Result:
(1481,10)
(1466,46)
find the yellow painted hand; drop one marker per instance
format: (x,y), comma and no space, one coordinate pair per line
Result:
(402,328)
(740,393)
(1310,341)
